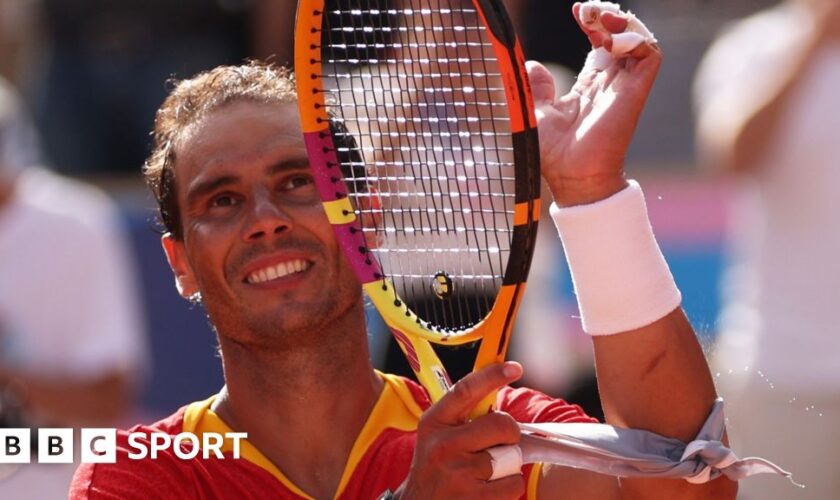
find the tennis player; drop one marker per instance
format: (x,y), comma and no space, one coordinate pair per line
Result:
(247,237)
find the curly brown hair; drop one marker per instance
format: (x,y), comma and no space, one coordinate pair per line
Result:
(190,101)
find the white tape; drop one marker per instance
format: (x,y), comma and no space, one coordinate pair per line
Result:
(634,35)
(505,460)
(621,279)
(597,60)
(624,43)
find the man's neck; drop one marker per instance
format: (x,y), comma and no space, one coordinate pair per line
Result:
(303,408)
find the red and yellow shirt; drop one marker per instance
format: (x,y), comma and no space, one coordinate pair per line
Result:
(379,459)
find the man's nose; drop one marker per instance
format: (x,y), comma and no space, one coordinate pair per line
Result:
(266,218)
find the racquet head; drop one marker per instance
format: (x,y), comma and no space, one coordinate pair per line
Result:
(420,128)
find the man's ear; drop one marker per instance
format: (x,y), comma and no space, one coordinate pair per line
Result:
(176,255)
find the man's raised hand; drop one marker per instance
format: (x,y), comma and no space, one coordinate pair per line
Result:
(585,134)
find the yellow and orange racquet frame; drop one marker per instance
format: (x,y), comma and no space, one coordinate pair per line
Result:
(459,74)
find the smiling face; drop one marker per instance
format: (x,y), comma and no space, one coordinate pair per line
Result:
(256,244)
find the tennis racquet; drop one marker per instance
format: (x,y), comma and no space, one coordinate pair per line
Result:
(419,125)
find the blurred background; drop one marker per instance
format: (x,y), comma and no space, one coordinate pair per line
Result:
(82,80)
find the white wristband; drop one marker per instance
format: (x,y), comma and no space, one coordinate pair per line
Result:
(621,279)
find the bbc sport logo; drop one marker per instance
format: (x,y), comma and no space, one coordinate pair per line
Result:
(98,446)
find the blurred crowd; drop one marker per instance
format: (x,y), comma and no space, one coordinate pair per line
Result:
(767,111)
(84,340)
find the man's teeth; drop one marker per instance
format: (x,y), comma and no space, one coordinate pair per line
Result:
(278,271)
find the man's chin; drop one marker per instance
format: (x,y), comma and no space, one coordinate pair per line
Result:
(288,321)
(281,321)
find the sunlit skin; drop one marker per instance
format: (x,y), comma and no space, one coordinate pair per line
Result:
(248,202)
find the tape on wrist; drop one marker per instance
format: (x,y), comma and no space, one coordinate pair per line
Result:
(621,279)
(505,460)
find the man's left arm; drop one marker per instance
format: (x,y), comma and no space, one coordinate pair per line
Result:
(656,378)
(651,375)
(653,378)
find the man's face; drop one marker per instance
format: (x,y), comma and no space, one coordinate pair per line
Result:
(257,244)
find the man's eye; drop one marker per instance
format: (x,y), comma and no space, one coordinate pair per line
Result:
(223,200)
(297,181)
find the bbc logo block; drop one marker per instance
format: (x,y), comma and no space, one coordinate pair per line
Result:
(14,446)
(99,446)
(55,446)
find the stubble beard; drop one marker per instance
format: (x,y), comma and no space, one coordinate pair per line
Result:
(289,324)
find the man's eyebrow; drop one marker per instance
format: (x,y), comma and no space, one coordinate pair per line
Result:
(300,162)
(200,189)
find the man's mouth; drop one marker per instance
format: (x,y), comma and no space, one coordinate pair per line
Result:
(278,271)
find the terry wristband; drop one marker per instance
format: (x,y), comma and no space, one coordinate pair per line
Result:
(621,279)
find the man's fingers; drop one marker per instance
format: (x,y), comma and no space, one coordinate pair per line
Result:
(494,464)
(609,30)
(457,404)
(542,84)
(576,12)
(450,447)
(487,431)
(598,39)
(613,22)
(505,461)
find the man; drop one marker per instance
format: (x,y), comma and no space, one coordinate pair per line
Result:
(248,238)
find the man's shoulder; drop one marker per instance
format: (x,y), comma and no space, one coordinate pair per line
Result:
(131,476)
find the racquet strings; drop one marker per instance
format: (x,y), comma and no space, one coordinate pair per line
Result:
(421,120)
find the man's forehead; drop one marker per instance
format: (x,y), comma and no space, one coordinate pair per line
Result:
(243,118)
(243,133)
